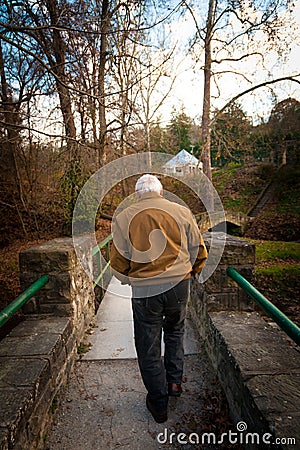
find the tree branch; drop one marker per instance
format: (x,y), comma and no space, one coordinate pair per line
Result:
(253,88)
(237,59)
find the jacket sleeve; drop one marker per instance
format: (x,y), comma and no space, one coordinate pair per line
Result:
(201,256)
(197,248)
(120,264)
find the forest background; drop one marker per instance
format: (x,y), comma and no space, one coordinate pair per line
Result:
(84,83)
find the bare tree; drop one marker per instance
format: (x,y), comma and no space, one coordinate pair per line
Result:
(38,32)
(126,44)
(229,36)
(10,110)
(105,26)
(155,85)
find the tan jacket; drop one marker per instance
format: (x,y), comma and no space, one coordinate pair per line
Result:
(156,241)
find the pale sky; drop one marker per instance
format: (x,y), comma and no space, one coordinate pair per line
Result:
(189,85)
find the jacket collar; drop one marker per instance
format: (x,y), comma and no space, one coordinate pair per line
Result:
(148,195)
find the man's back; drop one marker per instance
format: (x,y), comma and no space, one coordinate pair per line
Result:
(158,237)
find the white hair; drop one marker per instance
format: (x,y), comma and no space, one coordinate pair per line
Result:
(148,183)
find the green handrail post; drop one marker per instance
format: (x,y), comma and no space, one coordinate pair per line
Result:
(290,328)
(101,245)
(23,298)
(95,251)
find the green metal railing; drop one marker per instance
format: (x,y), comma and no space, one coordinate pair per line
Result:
(105,243)
(23,298)
(290,328)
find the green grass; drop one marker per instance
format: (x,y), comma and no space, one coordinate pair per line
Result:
(278,261)
(277,274)
(272,251)
(222,176)
(239,186)
(280,273)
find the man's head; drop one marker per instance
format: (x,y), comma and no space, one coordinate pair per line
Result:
(148,183)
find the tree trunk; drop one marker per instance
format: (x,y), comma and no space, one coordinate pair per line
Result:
(148,144)
(102,107)
(93,117)
(10,171)
(58,67)
(206,126)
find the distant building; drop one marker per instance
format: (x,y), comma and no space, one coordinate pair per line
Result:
(181,164)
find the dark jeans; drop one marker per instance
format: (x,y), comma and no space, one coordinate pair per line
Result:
(166,310)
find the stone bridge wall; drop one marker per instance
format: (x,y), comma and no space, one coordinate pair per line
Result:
(207,222)
(256,363)
(37,357)
(220,292)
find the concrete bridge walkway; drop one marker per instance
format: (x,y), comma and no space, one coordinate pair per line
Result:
(104,404)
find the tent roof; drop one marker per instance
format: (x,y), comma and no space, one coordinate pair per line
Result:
(182,158)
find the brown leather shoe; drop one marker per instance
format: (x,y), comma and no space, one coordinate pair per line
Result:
(157,416)
(174,389)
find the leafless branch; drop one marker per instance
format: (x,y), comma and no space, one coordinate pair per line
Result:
(253,88)
(237,59)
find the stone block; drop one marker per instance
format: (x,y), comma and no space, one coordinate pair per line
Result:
(41,418)
(50,344)
(220,301)
(51,256)
(32,306)
(44,325)
(277,396)
(227,298)
(15,406)
(237,254)
(68,286)
(56,309)
(4,439)
(72,343)
(256,344)
(35,362)
(258,370)
(58,364)
(19,373)
(236,251)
